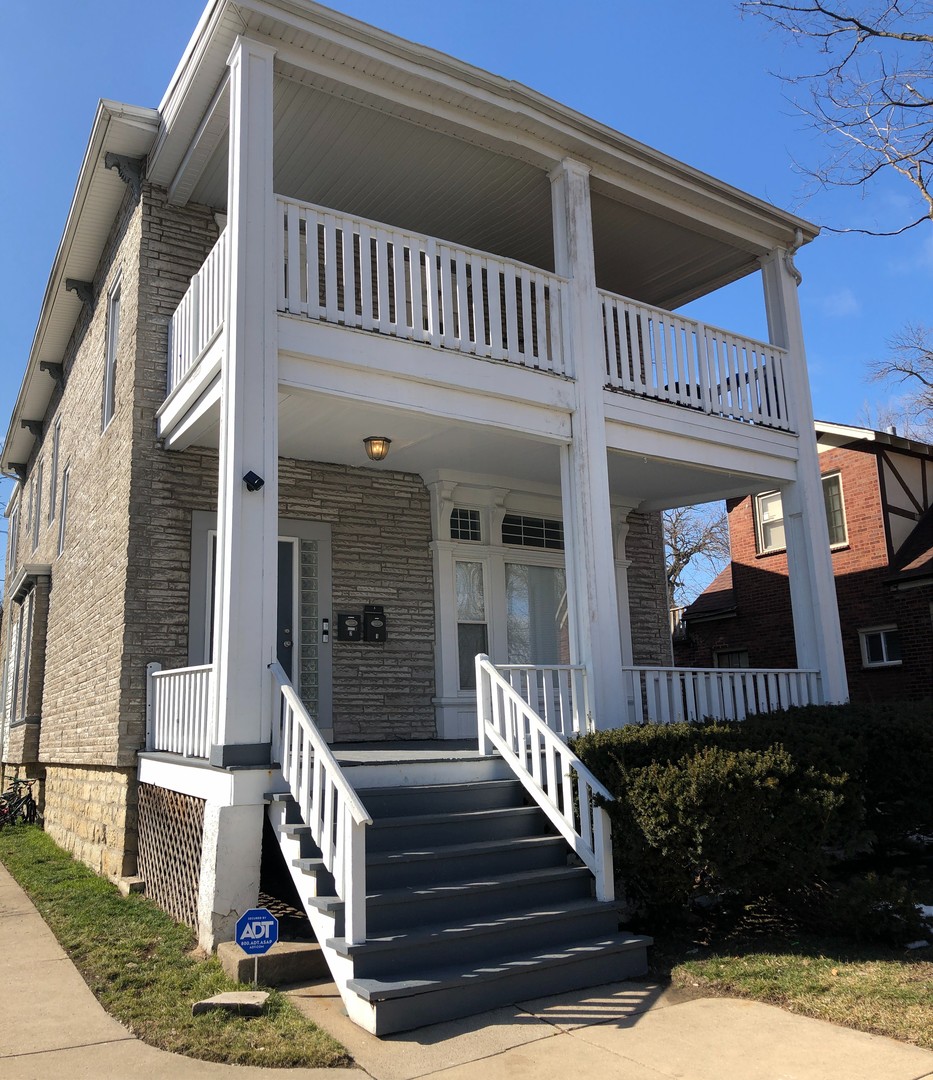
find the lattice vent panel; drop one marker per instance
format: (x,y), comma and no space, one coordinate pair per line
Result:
(171,826)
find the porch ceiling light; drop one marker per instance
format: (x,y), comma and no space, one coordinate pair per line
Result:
(377,446)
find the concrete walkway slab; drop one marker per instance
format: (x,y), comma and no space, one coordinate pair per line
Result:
(428,1050)
(723,1038)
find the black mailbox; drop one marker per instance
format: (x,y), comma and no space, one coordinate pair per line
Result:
(374,623)
(349,626)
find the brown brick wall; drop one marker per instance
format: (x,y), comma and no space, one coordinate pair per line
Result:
(763,624)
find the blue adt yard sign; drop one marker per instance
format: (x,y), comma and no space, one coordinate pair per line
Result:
(257,931)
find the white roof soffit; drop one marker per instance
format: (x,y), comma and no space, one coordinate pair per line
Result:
(450,94)
(828,434)
(119,129)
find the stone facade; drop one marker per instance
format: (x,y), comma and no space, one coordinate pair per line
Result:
(91,811)
(647,587)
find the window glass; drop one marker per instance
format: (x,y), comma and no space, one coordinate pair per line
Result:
(881,647)
(536,604)
(835,517)
(771,521)
(471,620)
(534,532)
(110,365)
(464,524)
(730,658)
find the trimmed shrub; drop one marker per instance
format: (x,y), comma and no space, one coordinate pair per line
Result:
(763,808)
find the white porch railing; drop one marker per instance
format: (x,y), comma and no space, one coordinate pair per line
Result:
(328,803)
(673,695)
(199,316)
(554,776)
(657,354)
(179,710)
(360,273)
(558,693)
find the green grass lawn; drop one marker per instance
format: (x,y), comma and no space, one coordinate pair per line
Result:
(880,990)
(141,966)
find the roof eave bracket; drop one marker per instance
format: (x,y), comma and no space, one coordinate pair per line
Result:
(130,169)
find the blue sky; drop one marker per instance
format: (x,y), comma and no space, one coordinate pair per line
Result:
(691,79)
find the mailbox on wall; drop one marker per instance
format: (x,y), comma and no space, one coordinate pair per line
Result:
(374,623)
(349,626)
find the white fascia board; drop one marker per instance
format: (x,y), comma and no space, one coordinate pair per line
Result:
(842,434)
(117,128)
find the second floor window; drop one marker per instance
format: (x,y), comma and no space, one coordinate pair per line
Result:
(110,362)
(769,517)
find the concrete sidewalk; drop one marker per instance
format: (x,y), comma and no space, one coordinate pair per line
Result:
(54,1029)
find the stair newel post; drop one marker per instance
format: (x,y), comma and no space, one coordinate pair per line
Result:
(354,840)
(483,705)
(602,846)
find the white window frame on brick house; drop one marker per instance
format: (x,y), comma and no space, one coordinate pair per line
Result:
(63,513)
(775,516)
(108,404)
(886,637)
(53,476)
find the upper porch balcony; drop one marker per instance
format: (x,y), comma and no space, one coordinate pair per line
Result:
(364,275)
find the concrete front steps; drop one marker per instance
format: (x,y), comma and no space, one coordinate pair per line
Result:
(472,900)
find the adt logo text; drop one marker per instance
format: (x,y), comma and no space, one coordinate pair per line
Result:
(257,930)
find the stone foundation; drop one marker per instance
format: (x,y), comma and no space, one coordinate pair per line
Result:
(91,812)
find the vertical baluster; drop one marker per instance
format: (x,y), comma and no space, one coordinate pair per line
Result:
(313,227)
(535,748)
(341,820)
(312,812)
(384,314)
(545,361)
(528,353)
(448,283)
(511,313)
(777,364)
(291,286)
(432,286)
(463,341)
(330,268)
(479,306)
(355,872)
(326,842)
(400,277)
(586,813)
(416,286)
(568,701)
(555,307)
(349,274)
(367,268)
(494,301)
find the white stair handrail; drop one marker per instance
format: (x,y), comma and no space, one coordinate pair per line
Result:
(329,805)
(547,768)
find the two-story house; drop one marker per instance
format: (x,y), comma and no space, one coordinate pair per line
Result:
(877,492)
(353,400)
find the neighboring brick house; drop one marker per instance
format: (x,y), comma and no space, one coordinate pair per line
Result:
(326,244)
(878,489)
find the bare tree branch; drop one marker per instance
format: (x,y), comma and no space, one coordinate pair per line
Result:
(872,96)
(695,537)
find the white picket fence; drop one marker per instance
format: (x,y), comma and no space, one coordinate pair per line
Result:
(672,695)
(657,354)
(200,315)
(328,804)
(359,273)
(553,775)
(179,710)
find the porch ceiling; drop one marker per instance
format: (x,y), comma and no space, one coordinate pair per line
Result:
(315,426)
(656,484)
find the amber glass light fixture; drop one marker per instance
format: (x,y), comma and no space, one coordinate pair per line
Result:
(377,446)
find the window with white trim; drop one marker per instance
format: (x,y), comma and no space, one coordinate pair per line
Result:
(465,524)
(53,478)
(537,532)
(881,646)
(108,406)
(63,514)
(472,631)
(12,539)
(769,517)
(37,507)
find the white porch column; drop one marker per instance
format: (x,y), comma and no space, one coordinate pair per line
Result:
(247,521)
(591,583)
(231,851)
(812,587)
(623,562)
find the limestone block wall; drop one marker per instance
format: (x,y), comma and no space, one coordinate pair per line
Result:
(91,811)
(647,585)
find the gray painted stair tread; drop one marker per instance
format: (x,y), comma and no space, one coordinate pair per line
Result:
(465,850)
(457,889)
(412,821)
(412,789)
(442,978)
(514,920)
